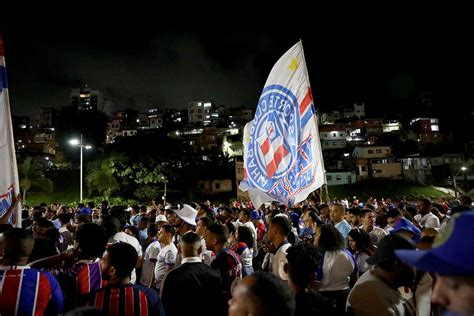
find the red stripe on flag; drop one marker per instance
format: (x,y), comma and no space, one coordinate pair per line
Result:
(265,146)
(277,158)
(308,98)
(280,154)
(271,168)
(129,301)
(143,304)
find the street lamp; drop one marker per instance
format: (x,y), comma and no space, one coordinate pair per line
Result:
(78,143)
(462,169)
(164,195)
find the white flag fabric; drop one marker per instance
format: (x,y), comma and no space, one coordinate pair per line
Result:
(9,184)
(282,151)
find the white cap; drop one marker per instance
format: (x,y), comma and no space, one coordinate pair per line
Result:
(161,218)
(187,214)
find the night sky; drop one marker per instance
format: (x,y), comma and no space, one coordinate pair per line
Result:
(384,63)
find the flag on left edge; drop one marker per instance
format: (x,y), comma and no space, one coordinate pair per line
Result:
(9,184)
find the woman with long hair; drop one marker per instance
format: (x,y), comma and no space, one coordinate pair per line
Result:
(361,247)
(338,266)
(244,248)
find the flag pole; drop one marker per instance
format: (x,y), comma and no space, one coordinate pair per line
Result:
(324,187)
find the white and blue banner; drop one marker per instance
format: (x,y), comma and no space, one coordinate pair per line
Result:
(282,152)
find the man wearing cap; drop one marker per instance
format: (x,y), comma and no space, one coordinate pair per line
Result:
(184,222)
(452,259)
(404,227)
(160,221)
(376,291)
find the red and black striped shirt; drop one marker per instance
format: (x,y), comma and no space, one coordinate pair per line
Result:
(118,300)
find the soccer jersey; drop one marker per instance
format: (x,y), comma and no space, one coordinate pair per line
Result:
(115,300)
(149,260)
(27,291)
(229,266)
(79,280)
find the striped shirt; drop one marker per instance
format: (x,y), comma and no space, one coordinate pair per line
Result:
(27,291)
(78,280)
(115,300)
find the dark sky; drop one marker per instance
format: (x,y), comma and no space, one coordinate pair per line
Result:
(385,63)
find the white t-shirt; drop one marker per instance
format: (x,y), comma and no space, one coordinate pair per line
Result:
(371,296)
(206,255)
(151,255)
(279,260)
(251,226)
(166,257)
(123,237)
(428,220)
(362,264)
(337,269)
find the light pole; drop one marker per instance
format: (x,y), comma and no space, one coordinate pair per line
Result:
(164,195)
(78,142)
(462,169)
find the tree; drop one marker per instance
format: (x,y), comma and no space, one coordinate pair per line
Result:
(32,178)
(100,179)
(124,173)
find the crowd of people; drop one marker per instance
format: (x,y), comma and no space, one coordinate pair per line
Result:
(377,257)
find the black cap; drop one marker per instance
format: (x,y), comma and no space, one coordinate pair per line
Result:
(386,246)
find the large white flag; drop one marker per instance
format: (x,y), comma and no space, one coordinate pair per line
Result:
(9,184)
(282,152)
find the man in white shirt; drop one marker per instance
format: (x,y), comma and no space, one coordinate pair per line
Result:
(368,224)
(167,256)
(424,217)
(149,260)
(278,230)
(111,225)
(244,218)
(202,225)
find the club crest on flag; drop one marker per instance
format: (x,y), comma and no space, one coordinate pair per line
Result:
(277,125)
(282,153)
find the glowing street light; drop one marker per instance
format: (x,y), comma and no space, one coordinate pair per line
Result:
(462,169)
(78,143)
